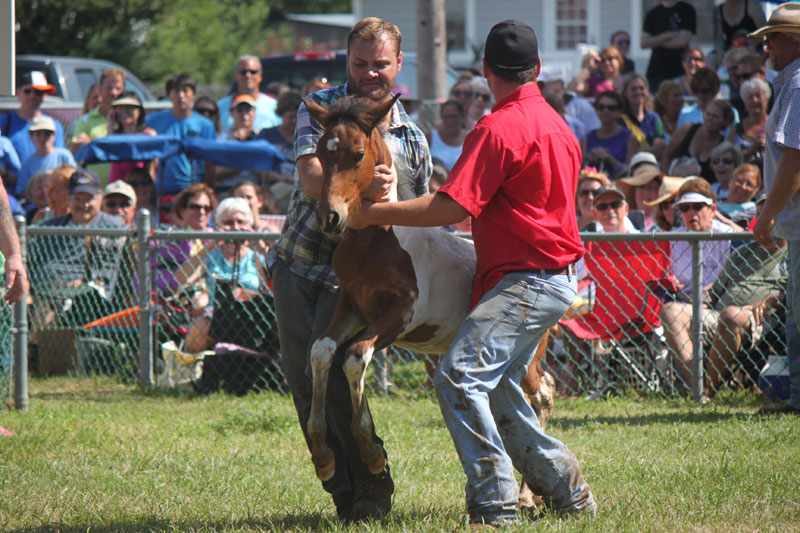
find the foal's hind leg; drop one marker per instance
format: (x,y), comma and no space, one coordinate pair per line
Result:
(344,323)
(358,357)
(540,388)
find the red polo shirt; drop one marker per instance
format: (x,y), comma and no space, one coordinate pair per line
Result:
(517,177)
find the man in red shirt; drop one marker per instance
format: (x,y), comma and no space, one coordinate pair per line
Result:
(516,178)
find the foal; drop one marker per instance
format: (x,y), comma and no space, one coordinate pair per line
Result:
(399,285)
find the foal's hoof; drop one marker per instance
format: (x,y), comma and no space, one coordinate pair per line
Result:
(379,464)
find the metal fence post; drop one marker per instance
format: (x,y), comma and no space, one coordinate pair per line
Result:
(20,332)
(697,321)
(145,306)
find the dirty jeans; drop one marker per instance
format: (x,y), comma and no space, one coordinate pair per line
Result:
(793,321)
(492,425)
(303,310)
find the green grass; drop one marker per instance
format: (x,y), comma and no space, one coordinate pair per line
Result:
(92,455)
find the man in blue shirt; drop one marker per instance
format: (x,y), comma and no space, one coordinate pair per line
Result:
(31,88)
(179,171)
(248,80)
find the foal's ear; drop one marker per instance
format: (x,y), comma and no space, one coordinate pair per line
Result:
(316,111)
(377,112)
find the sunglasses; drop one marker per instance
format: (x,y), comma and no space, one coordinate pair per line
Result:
(242,108)
(245,72)
(616,204)
(601,107)
(140,183)
(623,42)
(483,96)
(704,91)
(585,193)
(744,77)
(113,204)
(199,207)
(206,111)
(695,59)
(696,206)
(607,59)
(724,160)
(31,90)
(462,94)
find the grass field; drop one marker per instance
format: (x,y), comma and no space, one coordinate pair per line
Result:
(91,455)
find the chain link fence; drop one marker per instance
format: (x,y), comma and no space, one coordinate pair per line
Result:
(203,319)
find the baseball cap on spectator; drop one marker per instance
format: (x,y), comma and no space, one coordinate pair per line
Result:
(242,99)
(120,187)
(550,73)
(761,196)
(84,180)
(42,123)
(37,80)
(511,46)
(611,189)
(642,157)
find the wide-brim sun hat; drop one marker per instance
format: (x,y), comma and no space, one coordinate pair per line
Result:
(784,19)
(668,189)
(126,100)
(644,173)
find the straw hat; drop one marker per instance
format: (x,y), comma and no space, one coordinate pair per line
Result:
(785,19)
(669,188)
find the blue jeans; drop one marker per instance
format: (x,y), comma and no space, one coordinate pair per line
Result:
(303,310)
(793,321)
(493,427)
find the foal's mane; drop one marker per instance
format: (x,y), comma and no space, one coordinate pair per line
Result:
(351,109)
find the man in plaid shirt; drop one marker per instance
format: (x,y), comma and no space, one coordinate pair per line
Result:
(305,287)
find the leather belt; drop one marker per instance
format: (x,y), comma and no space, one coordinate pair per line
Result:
(569,269)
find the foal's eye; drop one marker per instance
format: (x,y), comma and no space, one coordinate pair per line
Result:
(359,156)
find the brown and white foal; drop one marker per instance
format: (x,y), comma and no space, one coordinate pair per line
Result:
(399,285)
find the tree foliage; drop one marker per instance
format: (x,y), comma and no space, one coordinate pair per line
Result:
(156,38)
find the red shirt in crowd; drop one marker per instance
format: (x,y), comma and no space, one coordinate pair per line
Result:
(517,177)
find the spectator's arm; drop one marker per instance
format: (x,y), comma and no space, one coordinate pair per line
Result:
(677,39)
(16,277)
(651,41)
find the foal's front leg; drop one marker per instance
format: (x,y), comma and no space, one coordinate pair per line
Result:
(358,357)
(344,323)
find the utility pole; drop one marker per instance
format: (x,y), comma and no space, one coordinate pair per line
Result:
(431,50)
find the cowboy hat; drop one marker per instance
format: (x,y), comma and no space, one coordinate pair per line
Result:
(669,188)
(785,19)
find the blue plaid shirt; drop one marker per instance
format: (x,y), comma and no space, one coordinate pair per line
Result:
(302,244)
(783,130)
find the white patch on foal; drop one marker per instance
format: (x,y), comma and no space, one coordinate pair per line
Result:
(333,144)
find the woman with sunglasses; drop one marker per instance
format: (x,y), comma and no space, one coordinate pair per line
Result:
(481,99)
(705,86)
(609,147)
(590,180)
(232,261)
(692,60)
(664,213)
(461,92)
(724,158)
(608,76)
(206,106)
(127,117)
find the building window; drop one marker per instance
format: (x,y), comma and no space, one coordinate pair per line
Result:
(455,17)
(571,23)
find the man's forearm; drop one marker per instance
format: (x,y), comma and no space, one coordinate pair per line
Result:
(436,209)
(309,172)
(9,242)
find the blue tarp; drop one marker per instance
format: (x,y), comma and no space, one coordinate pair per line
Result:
(254,155)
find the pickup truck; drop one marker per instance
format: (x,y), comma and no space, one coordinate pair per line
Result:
(72,77)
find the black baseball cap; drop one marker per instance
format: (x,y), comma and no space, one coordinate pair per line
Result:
(84,180)
(511,46)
